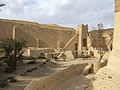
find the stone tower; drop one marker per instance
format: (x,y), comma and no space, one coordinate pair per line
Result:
(82,40)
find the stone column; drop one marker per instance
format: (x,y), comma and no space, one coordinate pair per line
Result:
(58,45)
(14,32)
(79,29)
(114,60)
(37,43)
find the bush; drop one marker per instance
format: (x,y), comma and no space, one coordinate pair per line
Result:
(30,70)
(3,83)
(40,57)
(12,49)
(23,74)
(47,60)
(31,62)
(41,64)
(12,79)
(1,64)
(31,58)
(10,69)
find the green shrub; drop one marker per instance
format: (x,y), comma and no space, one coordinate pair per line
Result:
(10,69)
(3,83)
(31,58)
(30,70)
(41,64)
(31,62)
(40,57)
(12,79)
(47,60)
(23,74)
(12,49)
(1,64)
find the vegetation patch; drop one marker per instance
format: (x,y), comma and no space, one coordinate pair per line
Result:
(12,79)
(30,70)
(3,83)
(31,62)
(10,69)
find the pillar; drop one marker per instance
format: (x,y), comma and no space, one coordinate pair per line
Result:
(82,31)
(58,45)
(14,32)
(37,43)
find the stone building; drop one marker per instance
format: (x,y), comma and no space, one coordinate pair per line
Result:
(50,38)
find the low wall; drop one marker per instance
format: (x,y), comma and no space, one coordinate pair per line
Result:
(36,52)
(48,83)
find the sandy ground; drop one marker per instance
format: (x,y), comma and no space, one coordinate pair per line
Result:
(77,82)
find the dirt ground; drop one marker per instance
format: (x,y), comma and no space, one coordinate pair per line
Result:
(24,77)
(77,82)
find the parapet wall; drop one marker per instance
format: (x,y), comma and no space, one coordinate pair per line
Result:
(52,81)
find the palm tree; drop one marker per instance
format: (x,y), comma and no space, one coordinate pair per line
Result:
(12,50)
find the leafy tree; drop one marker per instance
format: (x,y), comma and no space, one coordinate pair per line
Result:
(12,50)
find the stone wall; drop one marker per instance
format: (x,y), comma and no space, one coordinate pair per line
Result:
(47,34)
(117,5)
(50,82)
(101,38)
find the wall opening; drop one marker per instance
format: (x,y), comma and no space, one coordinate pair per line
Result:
(111,47)
(84,43)
(76,46)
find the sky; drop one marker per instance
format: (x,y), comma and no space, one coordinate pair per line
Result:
(69,13)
